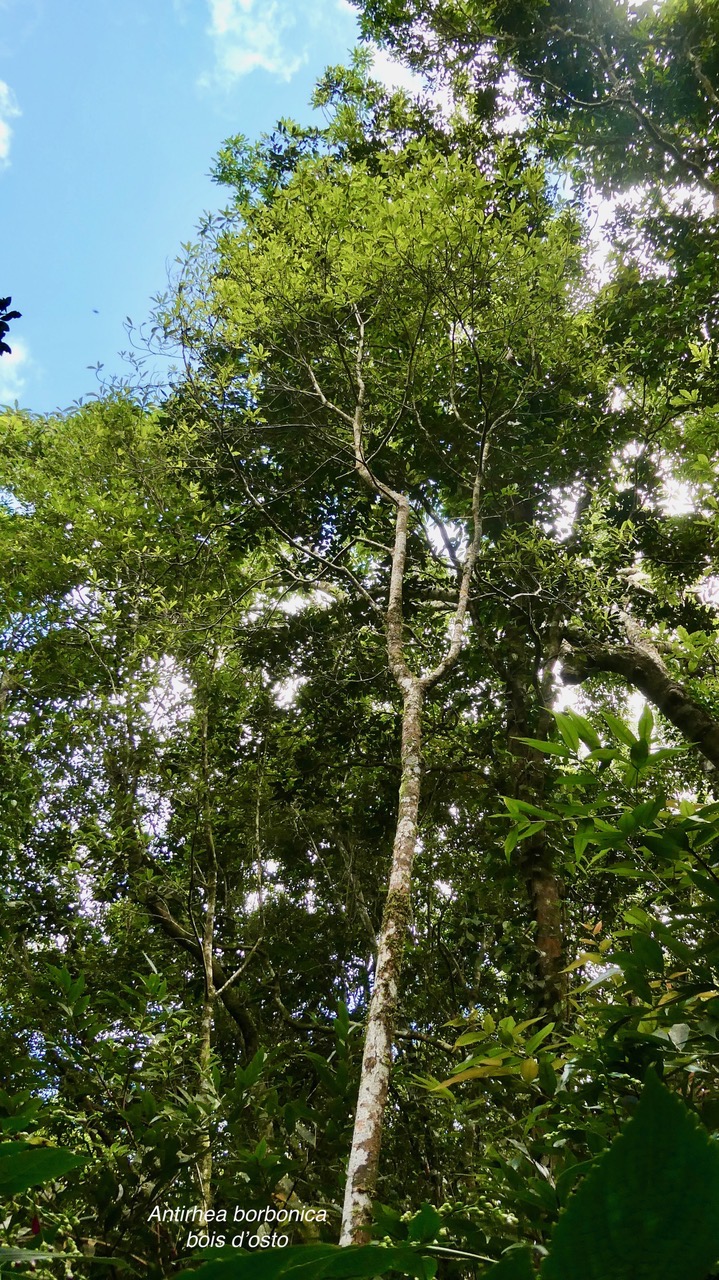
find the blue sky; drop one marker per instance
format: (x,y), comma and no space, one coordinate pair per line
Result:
(110,114)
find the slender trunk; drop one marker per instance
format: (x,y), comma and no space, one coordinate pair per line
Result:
(525,661)
(204,1159)
(377,1059)
(360,904)
(161,915)
(363,1162)
(206,1090)
(546,897)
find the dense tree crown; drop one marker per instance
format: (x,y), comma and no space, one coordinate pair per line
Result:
(359,697)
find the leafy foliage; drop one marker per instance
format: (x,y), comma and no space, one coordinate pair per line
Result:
(23,1166)
(322,1260)
(648,1207)
(6,315)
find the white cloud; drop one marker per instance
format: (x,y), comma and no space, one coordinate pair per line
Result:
(258,35)
(12,371)
(9,110)
(277,36)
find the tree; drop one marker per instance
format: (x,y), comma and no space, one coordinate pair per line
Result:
(395,321)
(6,315)
(296,303)
(628,91)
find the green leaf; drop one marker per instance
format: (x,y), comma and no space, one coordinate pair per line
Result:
(512,841)
(583,836)
(679,1034)
(22,1169)
(635,974)
(388,1222)
(568,1177)
(519,808)
(547,1076)
(642,816)
(567,729)
(516,1265)
(531,830)
(649,1209)
(549,748)
(30,1255)
(424,1225)
(307,1262)
(373,1260)
(298,1260)
(587,733)
(538,1038)
(646,724)
(15,1124)
(11,1148)
(668,844)
(639,753)
(648,953)
(621,731)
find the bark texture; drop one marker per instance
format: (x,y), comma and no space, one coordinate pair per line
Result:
(363,1163)
(545,891)
(204,1158)
(207,943)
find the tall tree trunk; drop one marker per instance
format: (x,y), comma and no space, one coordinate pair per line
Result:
(207,940)
(377,1058)
(204,1158)
(524,661)
(363,1162)
(545,891)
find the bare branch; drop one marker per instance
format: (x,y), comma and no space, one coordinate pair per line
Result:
(238,972)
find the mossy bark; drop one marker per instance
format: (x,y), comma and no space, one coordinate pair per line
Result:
(377,1058)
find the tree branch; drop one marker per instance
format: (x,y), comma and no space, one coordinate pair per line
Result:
(640,663)
(161,914)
